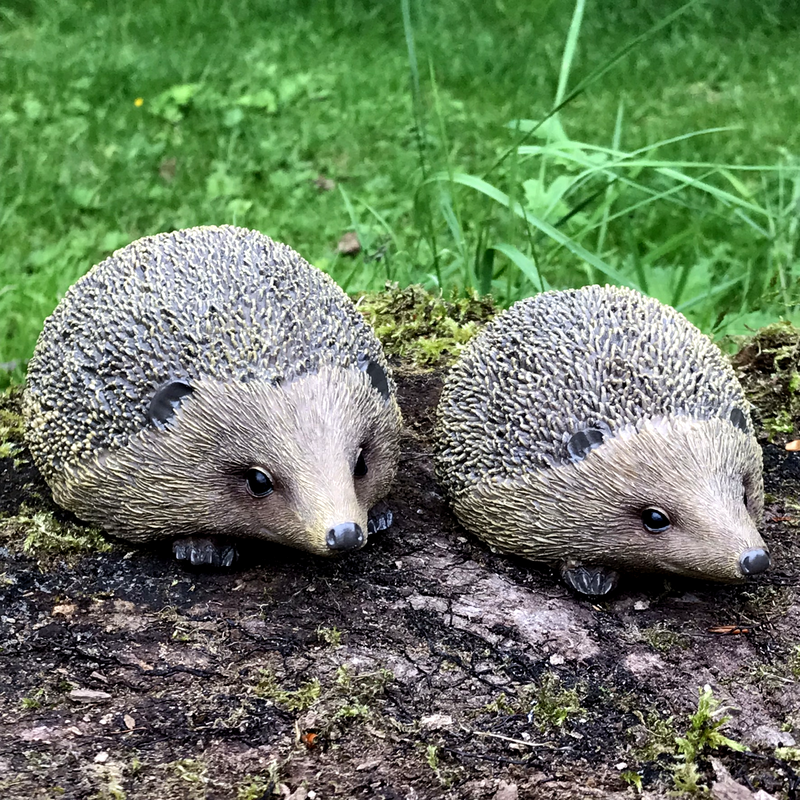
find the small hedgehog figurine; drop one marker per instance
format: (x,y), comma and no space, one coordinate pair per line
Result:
(600,430)
(207,385)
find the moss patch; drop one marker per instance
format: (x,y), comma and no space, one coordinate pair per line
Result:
(548,703)
(660,637)
(12,429)
(30,523)
(769,367)
(422,327)
(290,699)
(41,535)
(661,742)
(349,696)
(260,787)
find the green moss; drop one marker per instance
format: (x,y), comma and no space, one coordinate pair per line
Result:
(189,769)
(339,701)
(432,757)
(355,695)
(705,728)
(423,327)
(259,787)
(794,661)
(779,425)
(330,636)
(703,734)
(549,701)
(34,701)
(502,704)
(769,368)
(661,638)
(447,775)
(12,427)
(109,776)
(291,699)
(768,602)
(633,779)
(187,779)
(790,754)
(554,703)
(45,538)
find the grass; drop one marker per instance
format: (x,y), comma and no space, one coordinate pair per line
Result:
(413,124)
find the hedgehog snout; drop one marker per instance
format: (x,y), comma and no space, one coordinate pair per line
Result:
(345,536)
(754,561)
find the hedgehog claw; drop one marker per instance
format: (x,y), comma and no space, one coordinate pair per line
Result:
(379,519)
(589,580)
(205,551)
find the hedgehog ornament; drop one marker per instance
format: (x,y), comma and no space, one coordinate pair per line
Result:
(207,385)
(599,430)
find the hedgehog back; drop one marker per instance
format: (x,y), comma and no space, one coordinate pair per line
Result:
(597,357)
(222,303)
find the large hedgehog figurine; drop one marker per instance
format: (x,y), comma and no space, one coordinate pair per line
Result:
(599,430)
(207,385)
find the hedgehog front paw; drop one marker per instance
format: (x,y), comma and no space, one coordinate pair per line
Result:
(589,580)
(205,551)
(380,518)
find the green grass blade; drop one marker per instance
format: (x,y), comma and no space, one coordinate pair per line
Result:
(527,266)
(419,129)
(570,47)
(484,263)
(720,194)
(448,202)
(382,222)
(623,51)
(474,182)
(595,75)
(413,63)
(665,168)
(615,144)
(670,245)
(351,212)
(705,296)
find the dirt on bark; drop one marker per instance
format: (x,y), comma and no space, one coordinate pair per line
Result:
(423,666)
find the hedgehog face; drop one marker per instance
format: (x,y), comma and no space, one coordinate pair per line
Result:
(671,495)
(300,464)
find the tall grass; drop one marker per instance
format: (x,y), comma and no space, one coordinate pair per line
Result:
(594,212)
(512,146)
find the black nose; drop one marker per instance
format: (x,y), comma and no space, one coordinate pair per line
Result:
(345,536)
(754,561)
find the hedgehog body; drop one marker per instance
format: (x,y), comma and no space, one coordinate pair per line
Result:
(211,382)
(600,430)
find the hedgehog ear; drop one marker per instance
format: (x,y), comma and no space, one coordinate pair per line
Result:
(583,442)
(166,401)
(376,374)
(738,419)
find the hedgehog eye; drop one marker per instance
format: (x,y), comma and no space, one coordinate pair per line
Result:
(361,466)
(259,483)
(655,520)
